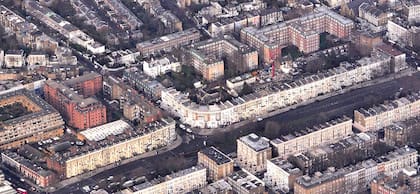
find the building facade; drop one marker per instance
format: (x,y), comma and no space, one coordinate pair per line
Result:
(302,32)
(301,141)
(218,165)
(180,182)
(79,112)
(253,152)
(378,117)
(278,96)
(41,122)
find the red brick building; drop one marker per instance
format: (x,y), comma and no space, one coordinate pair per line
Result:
(87,85)
(78,112)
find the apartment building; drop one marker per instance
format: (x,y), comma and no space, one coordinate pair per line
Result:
(37,59)
(411,10)
(278,95)
(218,164)
(207,57)
(399,30)
(372,14)
(28,169)
(157,67)
(180,182)
(303,140)
(253,152)
(143,83)
(356,178)
(402,132)
(357,147)
(302,32)
(65,28)
(397,57)
(380,116)
(78,112)
(108,144)
(14,59)
(135,106)
(121,15)
(39,122)
(408,181)
(168,42)
(87,84)
(218,187)
(243,182)
(281,175)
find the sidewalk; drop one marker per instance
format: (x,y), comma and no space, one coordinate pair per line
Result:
(403,73)
(89,174)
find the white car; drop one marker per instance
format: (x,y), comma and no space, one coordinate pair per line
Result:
(259,119)
(182,126)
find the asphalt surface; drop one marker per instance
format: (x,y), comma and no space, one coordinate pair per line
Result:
(185,155)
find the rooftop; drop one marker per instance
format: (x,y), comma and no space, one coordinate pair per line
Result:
(43,108)
(379,109)
(100,133)
(166,178)
(255,142)
(216,155)
(245,179)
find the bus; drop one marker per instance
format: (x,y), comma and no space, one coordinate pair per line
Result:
(21,191)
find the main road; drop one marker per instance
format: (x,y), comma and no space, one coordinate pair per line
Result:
(281,124)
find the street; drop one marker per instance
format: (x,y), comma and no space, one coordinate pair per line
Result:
(185,155)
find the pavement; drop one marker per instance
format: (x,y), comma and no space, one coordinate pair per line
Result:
(204,131)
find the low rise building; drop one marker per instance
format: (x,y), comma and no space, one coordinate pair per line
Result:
(280,94)
(243,182)
(253,152)
(281,175)
(403,132)
(168,42)
(37,59)
(218,187)
(207,57)
(356,178)
(408,181)
(152,88)
(378,117)
(397,57)
(37,120)
(180,182)
(411,10)
(303,140)
(157,67)
(239,81)
(29,169)
(218,165)
(14,59)
(355,148)
(108,144)
(373,14)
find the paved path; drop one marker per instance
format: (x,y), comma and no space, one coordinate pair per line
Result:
(406,72)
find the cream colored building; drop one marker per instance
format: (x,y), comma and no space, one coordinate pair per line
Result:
(281,174)
(181,182)
(301,141)
(14,59)
(37,59)
(278,95)
(125,144)
(253,152)
(378,117)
